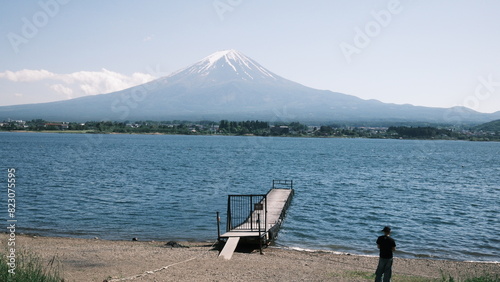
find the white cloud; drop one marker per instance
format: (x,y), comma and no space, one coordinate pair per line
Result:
(80,83)
(62,89)
(27,75)
(148,38)
(106,81)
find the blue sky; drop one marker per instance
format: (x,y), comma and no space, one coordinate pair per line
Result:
(429,53)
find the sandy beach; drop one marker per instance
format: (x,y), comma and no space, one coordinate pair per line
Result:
(102,260)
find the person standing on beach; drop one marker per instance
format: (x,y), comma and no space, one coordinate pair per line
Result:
(387,245)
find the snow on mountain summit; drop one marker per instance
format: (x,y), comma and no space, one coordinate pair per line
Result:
(222,54)
(226,65)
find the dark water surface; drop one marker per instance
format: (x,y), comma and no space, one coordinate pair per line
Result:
(442,198)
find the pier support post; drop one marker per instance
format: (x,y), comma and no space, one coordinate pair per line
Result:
(218,227)
(260,238)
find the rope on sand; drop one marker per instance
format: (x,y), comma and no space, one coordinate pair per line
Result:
(159,269)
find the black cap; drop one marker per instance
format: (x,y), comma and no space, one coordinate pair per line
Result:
(386,229)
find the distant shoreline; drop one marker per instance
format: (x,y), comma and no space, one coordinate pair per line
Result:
(244,135)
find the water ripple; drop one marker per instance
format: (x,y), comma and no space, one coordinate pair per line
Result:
(440,197)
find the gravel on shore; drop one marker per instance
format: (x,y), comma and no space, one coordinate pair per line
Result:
(102,260)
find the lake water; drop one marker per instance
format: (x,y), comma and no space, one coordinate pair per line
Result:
(440,197)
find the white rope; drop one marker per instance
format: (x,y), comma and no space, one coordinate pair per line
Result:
(159,269)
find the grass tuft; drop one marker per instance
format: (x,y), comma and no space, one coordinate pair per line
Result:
(29,268)
(483,278)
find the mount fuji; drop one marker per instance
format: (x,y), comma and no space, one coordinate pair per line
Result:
(229,85)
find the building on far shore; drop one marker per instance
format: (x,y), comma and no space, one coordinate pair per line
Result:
(56,125)
(279,130)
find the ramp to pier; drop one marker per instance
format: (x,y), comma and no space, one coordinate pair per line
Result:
(229,248)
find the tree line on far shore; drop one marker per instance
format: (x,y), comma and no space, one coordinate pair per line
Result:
(251,127)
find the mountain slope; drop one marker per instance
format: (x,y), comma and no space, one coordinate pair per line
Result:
(229,85)
(492,126)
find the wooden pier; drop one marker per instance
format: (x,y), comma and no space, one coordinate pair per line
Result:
(256,218)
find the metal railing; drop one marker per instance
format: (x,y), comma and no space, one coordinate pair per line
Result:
(283,184)
(243,212)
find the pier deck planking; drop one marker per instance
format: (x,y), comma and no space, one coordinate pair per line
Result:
(276,204)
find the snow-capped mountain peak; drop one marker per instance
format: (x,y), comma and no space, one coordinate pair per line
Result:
(233,54)
(226,65)
(229,85)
